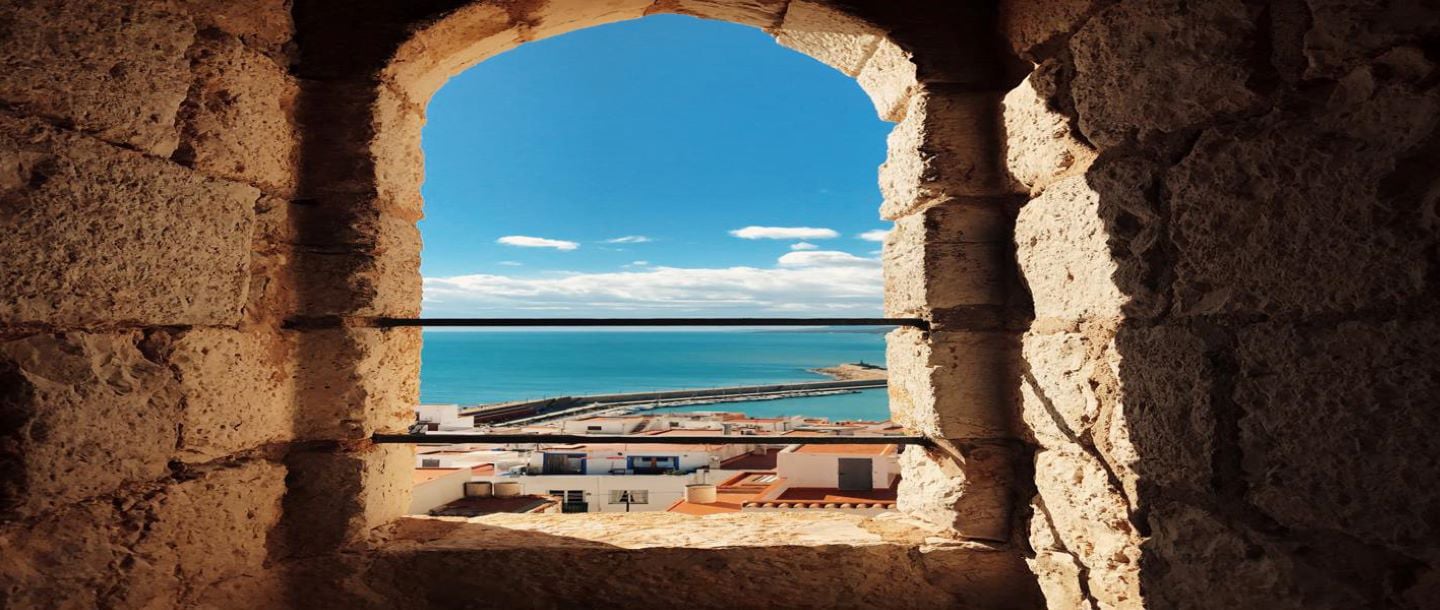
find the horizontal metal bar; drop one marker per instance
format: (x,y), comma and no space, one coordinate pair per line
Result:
(538,322)
(571,439)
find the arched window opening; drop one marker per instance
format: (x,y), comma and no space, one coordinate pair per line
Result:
(663,168)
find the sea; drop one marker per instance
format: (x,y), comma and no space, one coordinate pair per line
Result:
(481,366)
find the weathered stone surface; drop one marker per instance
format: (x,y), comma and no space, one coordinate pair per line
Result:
(759,13)
(238,388)
(829,35)
(945,147)
(1063,254)
(1059,404)
(1092,521)
(1215,564)
(262,25)
(949,255)
(207,529)
(889,78)
(1033,26)
(352,382)
(96,234)
(1135,232)
(443,49)
(69,560)
(1163,431)
(1039,145)
(239,119)
(556,17)
(116,70)
(337,498)
(1153,67)
(82,415)
(1345,33)
(1284,220)
(959,385)
(160,550)
(1060,578)
(968,493)
(835,555)
(399,160)
(1335,419)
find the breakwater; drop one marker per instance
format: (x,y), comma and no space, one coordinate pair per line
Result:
(556,406)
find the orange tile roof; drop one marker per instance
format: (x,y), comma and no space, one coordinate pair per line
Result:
(825,495)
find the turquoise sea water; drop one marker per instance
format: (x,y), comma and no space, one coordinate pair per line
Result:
(470,367)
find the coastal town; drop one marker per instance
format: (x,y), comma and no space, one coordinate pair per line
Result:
(693,476)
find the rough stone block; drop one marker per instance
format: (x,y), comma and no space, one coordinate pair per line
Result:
(1215,563)
(1148,68)
(239,121)
(1342,34)
(352,382)
(399,160)
(114,69)
(829,35)
(1060,577)
(443,49)
(1058,401)
(1039,145)
(82,415)
(336,498)
(1064,256)
(1334,421)
(556,17)
(949,255)
(263,25)
(238,388)
(764,14)
(1033,26)
(946,146)
(96,234)
(1142,402)
(889,78)
(1092,522)
(353,257)
(1288,221)
(161,548)
(67,560)
(969,494)
(205,530)
(1163,432)
(958,385)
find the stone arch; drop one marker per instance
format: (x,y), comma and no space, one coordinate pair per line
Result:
(950,258)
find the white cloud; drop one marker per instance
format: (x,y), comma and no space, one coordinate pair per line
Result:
(784,233)
(629,239)
(802,283)
(804,245)
(874,235)
(825,258)
(638,264)
(511,263)
(525,241)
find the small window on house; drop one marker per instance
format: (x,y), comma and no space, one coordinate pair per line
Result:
(629,496)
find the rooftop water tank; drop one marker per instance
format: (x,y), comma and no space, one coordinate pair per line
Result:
(701,493)
(507,489)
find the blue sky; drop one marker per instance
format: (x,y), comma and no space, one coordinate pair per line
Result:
(615,171)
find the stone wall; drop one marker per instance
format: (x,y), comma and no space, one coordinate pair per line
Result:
(1230,382)
(1178,261)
